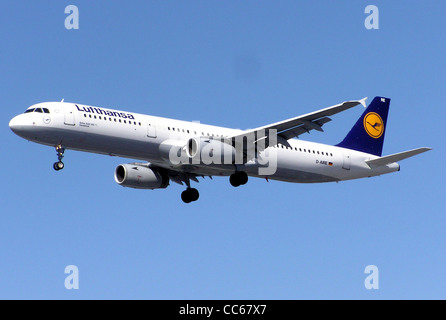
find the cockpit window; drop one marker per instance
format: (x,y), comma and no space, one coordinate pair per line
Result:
(40,110)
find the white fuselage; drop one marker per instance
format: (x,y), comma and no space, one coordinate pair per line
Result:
(141,137)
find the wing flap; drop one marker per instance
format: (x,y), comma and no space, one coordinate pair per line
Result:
(305,127)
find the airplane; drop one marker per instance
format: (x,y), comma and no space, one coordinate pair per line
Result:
(180,151)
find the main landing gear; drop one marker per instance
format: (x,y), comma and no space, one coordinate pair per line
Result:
(238,178)
(59,165)
(190,194)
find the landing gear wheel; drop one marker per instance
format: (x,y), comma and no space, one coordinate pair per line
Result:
(243,177)
(189,195)
(185,196)
(58,165)
(238,178)
(234,180)
(194,194)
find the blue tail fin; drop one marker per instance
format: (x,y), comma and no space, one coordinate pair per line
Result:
(367,135)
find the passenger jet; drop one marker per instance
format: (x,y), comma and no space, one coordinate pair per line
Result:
(181,151)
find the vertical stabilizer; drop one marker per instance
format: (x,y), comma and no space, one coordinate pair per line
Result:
(367,135)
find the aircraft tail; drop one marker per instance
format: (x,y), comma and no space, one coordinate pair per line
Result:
(367,135)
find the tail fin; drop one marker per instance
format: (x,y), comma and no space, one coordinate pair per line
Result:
(367,135)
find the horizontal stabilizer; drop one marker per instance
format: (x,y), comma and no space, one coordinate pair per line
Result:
(395,157)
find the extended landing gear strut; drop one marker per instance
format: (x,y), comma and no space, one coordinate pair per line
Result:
(60,151)
(190,194)
(238,178)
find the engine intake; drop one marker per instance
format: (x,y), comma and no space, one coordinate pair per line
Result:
(140,177)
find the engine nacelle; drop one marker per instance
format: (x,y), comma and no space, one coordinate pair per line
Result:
(140,177)
(209,151)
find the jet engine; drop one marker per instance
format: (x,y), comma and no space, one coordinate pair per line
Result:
(140,177)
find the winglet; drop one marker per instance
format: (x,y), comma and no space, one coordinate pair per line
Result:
(362,101)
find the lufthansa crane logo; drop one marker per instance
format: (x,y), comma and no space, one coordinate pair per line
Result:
(373,125)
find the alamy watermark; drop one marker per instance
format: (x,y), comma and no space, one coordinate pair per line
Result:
(258,148)
(372,280)
(72,20)
(72,280)
(372,20)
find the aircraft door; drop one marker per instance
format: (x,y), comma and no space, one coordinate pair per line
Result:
(347,160)
(151,129)
(68,111)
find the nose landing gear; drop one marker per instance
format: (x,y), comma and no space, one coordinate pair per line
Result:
(59,165)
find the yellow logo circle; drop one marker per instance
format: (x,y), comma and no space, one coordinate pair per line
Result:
(373,125)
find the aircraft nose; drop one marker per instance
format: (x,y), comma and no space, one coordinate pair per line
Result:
(14,124)
(19,126)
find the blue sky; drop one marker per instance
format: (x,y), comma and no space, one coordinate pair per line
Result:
(239,64)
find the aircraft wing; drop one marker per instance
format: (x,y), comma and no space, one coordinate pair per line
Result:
(290,128)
